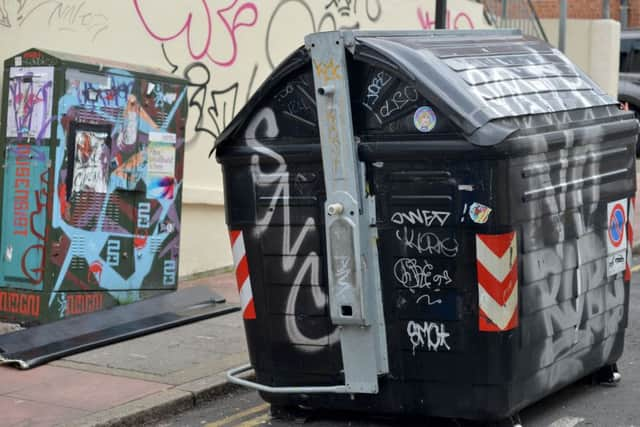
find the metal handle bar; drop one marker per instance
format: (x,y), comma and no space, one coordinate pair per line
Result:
(232,376)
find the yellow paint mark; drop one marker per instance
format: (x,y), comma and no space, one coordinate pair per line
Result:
(635,268)
(255,421)
(239,415)
(327,72)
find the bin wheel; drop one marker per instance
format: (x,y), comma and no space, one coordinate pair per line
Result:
(607,376)
(512,421)
(289,413)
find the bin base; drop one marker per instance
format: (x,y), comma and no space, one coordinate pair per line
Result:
(607,376)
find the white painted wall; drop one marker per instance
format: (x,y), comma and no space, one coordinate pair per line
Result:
(237,42)
(594,45)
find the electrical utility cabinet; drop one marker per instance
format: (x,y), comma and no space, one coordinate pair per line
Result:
(92,156)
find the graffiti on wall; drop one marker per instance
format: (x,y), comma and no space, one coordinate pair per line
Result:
(201,41)
(454,21)
(212,43)
(76,16)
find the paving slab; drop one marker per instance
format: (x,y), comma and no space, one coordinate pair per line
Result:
(20,412)
(131,382)
(179,349)
(14,380)
(88,391)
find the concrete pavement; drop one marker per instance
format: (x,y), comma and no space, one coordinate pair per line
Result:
(131,382)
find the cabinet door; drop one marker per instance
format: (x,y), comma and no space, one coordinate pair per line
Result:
(25,196)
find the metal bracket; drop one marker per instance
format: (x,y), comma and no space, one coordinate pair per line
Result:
(355,296)
(233,377)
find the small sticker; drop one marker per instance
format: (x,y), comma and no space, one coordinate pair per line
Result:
(8,254)
(479,213)
(616,263)
(425,119)
(167,138)
(17,61)
(616,236)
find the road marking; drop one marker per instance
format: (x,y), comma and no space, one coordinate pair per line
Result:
(566,422)
(636,268)
(239,415)
(255,421)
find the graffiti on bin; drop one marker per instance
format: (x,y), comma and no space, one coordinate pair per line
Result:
(427,242)
(418,275)
(421,217)
(428,335)
(568,308)
(300,263)
(550,281)
(374,88)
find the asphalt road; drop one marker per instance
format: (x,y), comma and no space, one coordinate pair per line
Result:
(580,404)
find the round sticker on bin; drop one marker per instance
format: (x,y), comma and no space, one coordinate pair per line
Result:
(425,119)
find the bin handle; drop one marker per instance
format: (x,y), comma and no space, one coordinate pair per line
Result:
(232,376)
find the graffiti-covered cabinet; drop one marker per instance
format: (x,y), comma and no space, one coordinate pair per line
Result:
(92,156)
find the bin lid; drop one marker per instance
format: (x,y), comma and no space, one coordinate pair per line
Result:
(476,77)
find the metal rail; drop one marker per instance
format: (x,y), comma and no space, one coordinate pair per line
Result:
(514,14)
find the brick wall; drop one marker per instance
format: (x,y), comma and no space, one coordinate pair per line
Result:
(587,9)
(577,9)
(634,13)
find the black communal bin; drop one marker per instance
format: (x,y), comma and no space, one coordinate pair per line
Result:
(492,182)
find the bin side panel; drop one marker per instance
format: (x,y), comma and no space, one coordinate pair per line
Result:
(570,193)
(276,201)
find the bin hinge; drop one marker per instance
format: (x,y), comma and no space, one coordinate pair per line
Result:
(355,297)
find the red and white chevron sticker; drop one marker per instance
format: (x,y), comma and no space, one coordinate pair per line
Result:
(242,274)
(631,216)
(497,265)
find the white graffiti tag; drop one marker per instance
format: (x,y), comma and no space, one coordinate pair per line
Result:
(432,335)
(412,274)
(418,274)
(279,178)
(442,279)
(428,243)
(420,216)
(428,298)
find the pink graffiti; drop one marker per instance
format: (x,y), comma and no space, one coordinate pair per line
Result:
(460,21)
(231,17)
